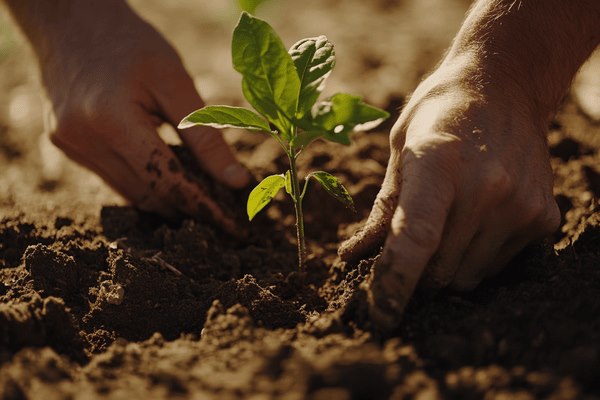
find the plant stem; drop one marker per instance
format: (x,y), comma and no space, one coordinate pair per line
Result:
(297,198)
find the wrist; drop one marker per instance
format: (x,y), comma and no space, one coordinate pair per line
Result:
(533,47)
(54,28)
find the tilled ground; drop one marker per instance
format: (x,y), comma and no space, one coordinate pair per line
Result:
(100,300)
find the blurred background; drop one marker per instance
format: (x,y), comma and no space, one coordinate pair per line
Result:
(383,48)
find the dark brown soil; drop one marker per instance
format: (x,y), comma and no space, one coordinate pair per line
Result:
(100,300)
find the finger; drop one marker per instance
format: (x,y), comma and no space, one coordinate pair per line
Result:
(543,226)
(494,248)
(157,167)
(114,171)
(494,187)
(483,252)
(506,253)
(415,235)
(215,156)
(487,258)
(372,235)
(443,265)
(207,144)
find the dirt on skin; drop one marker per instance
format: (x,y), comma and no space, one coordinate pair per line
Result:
(99,300)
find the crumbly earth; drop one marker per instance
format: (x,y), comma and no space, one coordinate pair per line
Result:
(98,300)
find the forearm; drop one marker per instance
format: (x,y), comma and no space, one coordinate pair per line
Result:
(537,44)
(63,24)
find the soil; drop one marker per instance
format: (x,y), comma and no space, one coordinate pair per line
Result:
(99,300)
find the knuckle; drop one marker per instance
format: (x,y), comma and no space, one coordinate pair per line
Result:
(85,103)
(92,114)
(499,181)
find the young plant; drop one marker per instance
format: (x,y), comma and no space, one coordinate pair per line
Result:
(283,87)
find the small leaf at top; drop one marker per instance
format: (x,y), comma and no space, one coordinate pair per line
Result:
(333,186)
(334,119)
(288,183)
(314,59)
(263,193)
(344,112)
(270,82)
(226,117)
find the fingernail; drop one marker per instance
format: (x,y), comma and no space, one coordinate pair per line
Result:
(236,176)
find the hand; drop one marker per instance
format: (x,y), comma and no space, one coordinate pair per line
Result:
(468,185)
(469,182)
(112,80)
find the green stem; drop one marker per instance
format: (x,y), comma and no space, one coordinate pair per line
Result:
(297,198)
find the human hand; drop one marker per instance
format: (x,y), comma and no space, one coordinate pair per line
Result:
(468,185)
(113,80)
(469,182)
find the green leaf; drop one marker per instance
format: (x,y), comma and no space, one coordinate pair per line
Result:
(314,59)
(303,138)
(288,183)
(344,112)
(226,117)
(270,82)
(263,193)
(333,186)
(334,118)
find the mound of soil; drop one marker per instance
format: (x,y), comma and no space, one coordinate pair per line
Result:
(127,305)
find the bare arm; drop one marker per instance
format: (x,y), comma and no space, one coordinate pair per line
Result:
(112,80)
(469,182)
(540,44)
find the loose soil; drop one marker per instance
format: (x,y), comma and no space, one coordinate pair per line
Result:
(99,300)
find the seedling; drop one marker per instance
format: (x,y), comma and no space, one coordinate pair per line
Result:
(283,87)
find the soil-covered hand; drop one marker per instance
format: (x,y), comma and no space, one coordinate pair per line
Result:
(468,185)
(112,80)
(469,182)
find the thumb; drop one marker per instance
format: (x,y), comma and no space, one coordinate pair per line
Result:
(372,235)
